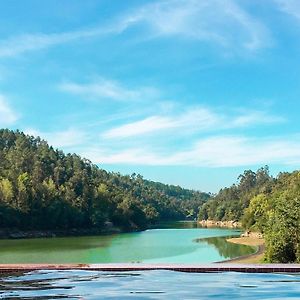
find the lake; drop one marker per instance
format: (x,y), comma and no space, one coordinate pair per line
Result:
(180,242)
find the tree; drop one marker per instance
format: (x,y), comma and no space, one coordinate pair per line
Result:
(6,191)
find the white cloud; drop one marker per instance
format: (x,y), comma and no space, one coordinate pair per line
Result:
(17,45)
(60,139)
(28,42)
(232,151)
(291,7)
(223,22)
(218,151)
(7,114)
(108,89)
(199,118)
(133,156)
(220,21)
(151,124)
(193,120)
(210,151)
(255,117)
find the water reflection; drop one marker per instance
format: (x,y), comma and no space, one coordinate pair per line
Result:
(227,250)
(178,225)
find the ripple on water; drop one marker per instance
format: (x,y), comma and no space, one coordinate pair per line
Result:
(159,284)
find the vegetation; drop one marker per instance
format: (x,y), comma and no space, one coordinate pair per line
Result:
(277,215)
(229,203)
(42,188)
(269,205)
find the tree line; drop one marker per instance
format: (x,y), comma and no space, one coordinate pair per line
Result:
(42,188)
(263,203)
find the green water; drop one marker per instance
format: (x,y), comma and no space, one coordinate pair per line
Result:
(174,243)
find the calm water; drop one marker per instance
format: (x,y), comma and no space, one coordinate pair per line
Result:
(182,243)
(149,285)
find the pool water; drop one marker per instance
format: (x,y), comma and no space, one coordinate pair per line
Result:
(158,284)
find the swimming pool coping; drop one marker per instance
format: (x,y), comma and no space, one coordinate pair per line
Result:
(123,267)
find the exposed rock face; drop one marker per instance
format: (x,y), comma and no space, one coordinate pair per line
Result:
(257,235)
(228,224)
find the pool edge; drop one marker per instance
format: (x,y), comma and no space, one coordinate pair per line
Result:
(190,268)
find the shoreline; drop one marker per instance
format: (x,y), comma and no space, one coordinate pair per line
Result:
(15,233)
(253,258)
(10,234)
(109,228)
(225,224)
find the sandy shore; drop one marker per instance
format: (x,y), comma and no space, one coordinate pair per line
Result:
(255,258)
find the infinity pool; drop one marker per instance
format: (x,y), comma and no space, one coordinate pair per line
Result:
(148,285)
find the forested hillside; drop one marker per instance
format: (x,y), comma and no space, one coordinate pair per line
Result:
(229,203)
(269,205)
(43,188)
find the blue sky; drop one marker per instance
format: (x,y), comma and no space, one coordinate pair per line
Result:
(186,92)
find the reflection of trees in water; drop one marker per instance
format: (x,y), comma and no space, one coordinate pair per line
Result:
(225,249)
(177,225)
(188,224)
(63,244)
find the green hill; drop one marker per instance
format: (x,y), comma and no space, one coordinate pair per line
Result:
(266,204)
(41,188)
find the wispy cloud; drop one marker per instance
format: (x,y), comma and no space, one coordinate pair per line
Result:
(60,139)
(255,117)
(199,118)
(135,156)
(105,89)
(232,151)
(291,7)
(243,151)
(151,124)
(218,151)
(7,115)
(192,119)
(20,44)
(222,22)
(120,145)
(16,45)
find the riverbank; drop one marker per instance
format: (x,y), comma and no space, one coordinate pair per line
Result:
(108,228)
(20,234)
(253,241)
